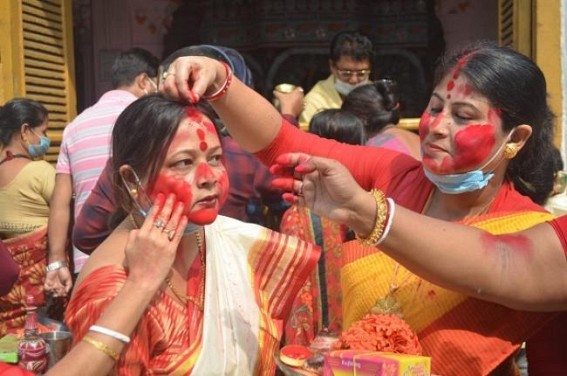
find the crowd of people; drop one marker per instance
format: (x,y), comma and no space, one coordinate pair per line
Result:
(177,274)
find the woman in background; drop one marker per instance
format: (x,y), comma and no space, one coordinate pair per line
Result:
(378,105)
(26,185)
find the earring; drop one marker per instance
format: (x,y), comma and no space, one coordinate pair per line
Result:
(510,151)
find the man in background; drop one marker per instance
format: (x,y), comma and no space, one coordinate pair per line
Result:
(85,148)
(350,61)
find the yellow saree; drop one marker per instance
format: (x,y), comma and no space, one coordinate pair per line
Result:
(464,336)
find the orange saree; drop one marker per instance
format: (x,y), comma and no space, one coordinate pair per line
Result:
(29,251)
(252,276)
(464,336)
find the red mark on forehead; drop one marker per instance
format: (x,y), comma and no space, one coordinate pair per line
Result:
(460,64)
(519,245)
(473,145)
(201,134)
(199,117)
(450,85)
(194,114)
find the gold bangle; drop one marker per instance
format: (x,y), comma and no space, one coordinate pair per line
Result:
(381,216)
(102,347)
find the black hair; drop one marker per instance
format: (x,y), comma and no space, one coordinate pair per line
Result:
(338,125)
(353,44)
(376,104)
(516,87)
(131,63)
(151,121)
(19,111)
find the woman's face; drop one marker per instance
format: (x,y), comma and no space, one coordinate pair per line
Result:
(459,130)
(33,134)
(193,169)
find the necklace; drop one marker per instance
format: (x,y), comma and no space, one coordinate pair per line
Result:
(185,299)
(388,303)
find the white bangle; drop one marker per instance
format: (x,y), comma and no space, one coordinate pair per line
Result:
(392,208)
(111,333)
(56,266)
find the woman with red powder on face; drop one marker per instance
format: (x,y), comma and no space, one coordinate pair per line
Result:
(219,310)
(486,139)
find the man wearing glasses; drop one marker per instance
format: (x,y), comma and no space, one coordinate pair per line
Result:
(351,58)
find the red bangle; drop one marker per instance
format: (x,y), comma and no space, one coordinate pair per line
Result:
(222,91)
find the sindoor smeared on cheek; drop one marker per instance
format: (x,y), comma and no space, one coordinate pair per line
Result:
(223,188)
(167,184)
(472,146)
(428,123)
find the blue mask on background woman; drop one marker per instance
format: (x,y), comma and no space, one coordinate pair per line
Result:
(39,150)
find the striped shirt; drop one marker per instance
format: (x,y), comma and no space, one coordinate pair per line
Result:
(86,148)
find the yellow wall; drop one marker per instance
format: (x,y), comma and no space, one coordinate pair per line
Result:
(547,54)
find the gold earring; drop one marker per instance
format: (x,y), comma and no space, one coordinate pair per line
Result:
(510,151)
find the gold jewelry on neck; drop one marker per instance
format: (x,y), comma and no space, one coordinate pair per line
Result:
(388,303)
(198,301)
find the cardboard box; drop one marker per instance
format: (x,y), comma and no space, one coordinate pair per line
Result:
(365,363)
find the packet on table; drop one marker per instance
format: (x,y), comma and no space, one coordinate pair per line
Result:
(366,363)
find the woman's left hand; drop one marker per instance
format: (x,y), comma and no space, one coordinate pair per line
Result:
(323,185)
(58,282)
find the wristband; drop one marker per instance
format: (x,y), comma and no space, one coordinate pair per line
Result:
(111,333)
(56,266)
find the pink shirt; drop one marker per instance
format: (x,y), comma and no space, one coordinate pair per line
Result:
(86,148)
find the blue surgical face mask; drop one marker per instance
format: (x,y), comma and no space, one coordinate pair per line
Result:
(455,184)
(470,181)
(345,88)
(39,150)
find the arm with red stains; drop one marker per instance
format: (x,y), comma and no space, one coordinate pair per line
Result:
(256,125)
(526,270)
(244,112)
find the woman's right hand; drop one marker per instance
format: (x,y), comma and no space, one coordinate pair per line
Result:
(190,77)
(151,250)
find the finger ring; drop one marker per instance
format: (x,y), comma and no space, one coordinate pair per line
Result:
(170,234)
(165,74)
(158,223)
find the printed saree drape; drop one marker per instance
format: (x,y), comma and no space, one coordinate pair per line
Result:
(318,304)
(29,251)
(464,336)
(252,276)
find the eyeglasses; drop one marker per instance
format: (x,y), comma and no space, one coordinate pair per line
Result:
(154,85)
(346,74)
